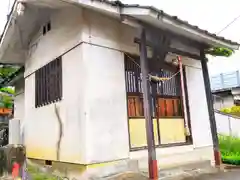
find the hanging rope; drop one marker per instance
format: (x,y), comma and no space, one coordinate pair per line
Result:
(187,129)
(151,77)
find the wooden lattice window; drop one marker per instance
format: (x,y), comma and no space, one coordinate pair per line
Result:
(169,107)
(48,83)
(135,106)
(165,94)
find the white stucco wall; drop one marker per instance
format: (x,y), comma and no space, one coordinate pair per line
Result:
(93,108)
(227,125)
(19,106)
(42,124)
(198,104)
(94,98)
(220,102)
(228,101)
(66,25)
(15,133)
(106,105)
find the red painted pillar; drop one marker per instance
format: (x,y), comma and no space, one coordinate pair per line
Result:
(152,161)
(213,126)
(15,170)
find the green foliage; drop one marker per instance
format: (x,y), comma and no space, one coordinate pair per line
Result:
(9,90)
(35,174)
(230,149)
(235,110)
(5,71)
(218,51)
(6,97)
(6,100)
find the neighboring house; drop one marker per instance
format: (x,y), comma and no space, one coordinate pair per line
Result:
(82,103)
(226,89)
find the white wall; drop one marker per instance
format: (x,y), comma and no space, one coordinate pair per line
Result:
(93,109)
(42,128)
(106,32)
(107,129)
(227,125)
(19,106)
(66,25)
(223,102)
(42,123)
(198,104)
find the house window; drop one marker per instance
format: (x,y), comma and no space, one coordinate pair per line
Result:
(48,83)
(167,96)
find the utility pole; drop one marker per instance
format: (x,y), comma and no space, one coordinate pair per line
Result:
(217,154)
(147,101)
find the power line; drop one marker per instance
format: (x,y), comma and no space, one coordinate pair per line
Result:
(229,24)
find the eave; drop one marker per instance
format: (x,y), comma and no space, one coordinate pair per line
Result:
(164,21)
(143,14)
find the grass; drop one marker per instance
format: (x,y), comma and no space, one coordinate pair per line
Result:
(37,175)
(230,149)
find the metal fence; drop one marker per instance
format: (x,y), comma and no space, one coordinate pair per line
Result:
(225,80)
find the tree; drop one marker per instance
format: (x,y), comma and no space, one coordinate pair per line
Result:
(7,93)
(7,70)
(218,51)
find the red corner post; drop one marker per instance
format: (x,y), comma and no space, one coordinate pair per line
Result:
(152,162)
(217,154)
(15,170)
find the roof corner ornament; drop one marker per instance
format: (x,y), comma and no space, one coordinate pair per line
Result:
(20,9)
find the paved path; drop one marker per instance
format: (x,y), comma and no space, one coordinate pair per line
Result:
(233,175)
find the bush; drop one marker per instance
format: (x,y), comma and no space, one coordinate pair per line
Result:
(230,149)
(235,110)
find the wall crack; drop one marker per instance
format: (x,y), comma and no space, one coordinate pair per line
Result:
(60,131)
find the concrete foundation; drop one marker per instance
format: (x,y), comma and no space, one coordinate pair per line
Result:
(91,171)
(171,161)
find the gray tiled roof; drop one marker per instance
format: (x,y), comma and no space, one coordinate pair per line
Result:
(174,18)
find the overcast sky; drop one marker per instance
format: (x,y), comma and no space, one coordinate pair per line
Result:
(211,15)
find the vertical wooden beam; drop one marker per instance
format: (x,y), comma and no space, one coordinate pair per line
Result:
(152,162)
(217,154)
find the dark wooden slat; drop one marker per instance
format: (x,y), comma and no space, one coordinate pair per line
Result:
(59,79)
(48,83)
